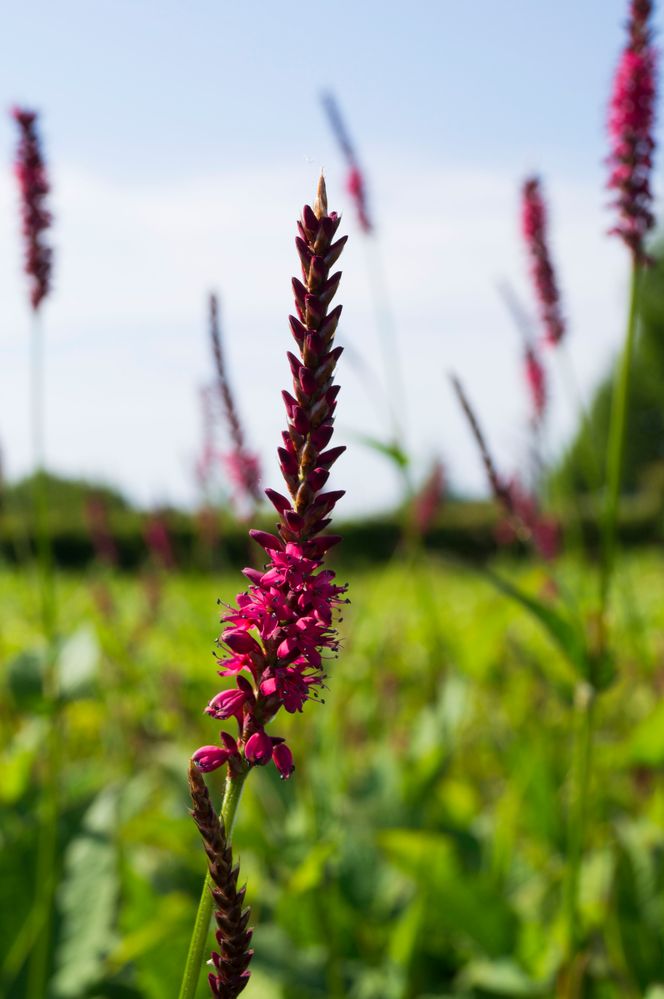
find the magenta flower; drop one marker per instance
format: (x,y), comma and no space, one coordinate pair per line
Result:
(534,228)
(30,171)
(631,125)
(277,640)
(242,466)
(355,182)
(535,381)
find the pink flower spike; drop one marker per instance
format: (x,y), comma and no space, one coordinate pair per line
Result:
(283,760)
(534,228)
(30,170)
(631,132)
(209,758)
(258,749)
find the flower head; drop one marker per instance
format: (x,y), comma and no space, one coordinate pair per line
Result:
(276,641)
(32,177)
(534,229)
(631,124)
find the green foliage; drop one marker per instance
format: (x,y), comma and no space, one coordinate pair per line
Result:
(418,851)
(644,451)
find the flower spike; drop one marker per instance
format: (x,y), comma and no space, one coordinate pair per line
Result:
(534,228)
(30,170)
(631,127)
(276,641)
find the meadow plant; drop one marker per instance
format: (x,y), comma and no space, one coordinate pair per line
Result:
(355,179)
(394,393)
(585,640)
(631,123)
(524,521)
(534,228)
(34,188)
(276,640)
(242,465)
(32,177)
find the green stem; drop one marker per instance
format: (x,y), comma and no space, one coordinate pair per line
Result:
(201,928)
(616,445)
(578,809)
(47,847)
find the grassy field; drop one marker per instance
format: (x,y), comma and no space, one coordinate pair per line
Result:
(418,851)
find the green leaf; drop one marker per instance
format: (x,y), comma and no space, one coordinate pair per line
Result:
(389,449)
(501,978)
(567,635)
(88,900)
(77,663)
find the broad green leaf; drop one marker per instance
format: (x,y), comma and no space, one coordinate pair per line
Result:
(88,900)
(77,663)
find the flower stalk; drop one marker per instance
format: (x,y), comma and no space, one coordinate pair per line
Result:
(216,834)
(274,640)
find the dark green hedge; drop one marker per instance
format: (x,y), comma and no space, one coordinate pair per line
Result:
(463,529)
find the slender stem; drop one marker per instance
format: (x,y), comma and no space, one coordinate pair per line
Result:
(616,444)
(201,928)
(578,809)
(388,339)
(47,848)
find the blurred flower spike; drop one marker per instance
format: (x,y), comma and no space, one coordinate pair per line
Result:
(631,127)
(536,382)
(242,466)
(355,181)
(32,177)
(534,229)
(275,639)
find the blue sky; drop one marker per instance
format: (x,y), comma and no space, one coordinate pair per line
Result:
(183,139)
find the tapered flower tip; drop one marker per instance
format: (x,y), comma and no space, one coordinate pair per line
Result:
(258,748)
(209,758)
(320,204)
(24,116)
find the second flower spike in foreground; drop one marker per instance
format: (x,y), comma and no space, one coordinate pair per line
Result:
(274,641)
